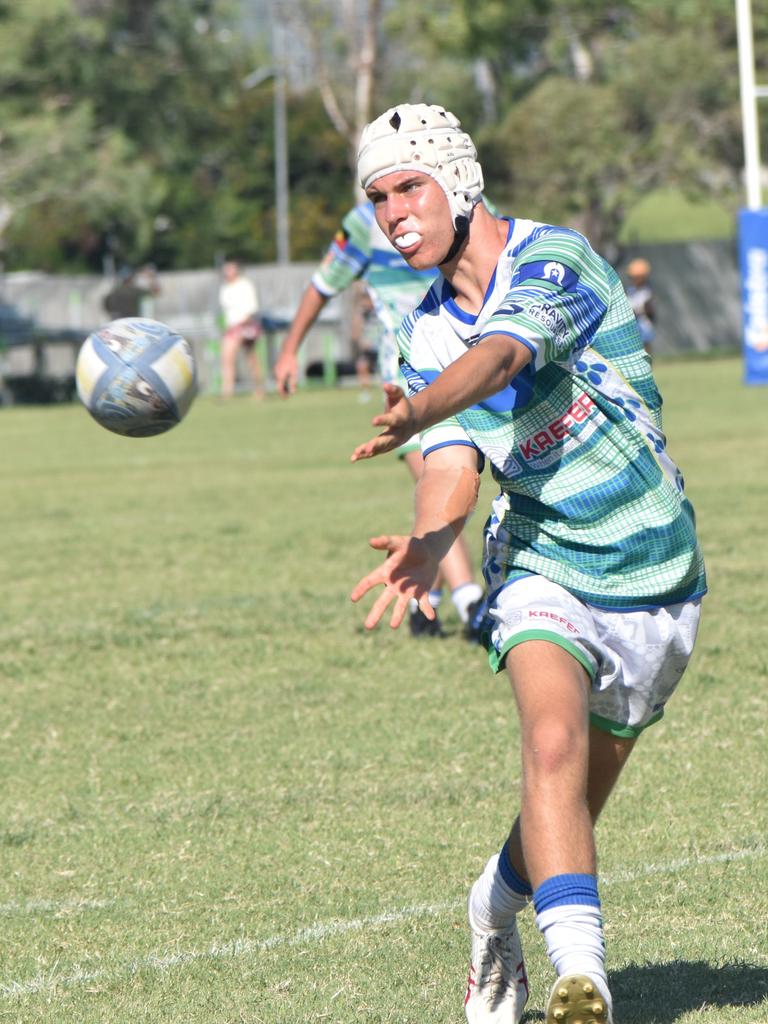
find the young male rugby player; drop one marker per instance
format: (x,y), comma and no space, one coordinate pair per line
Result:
(525,354)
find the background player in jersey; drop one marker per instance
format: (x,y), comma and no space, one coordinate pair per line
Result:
(525,354)
(359,251)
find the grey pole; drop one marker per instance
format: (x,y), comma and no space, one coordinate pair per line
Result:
(282,204)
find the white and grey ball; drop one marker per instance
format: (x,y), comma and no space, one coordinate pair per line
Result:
(136,376)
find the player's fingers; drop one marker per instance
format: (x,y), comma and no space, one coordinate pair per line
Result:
(367,583)
(383,418)
(379,607)
(393,393)
(386,542)
(426,607)
(363,451)
(376,446)
(398,613)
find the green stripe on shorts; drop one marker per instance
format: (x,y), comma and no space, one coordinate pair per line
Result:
(627,732)
(497,659)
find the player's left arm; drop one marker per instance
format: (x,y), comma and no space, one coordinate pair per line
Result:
(446,494)
(481,372)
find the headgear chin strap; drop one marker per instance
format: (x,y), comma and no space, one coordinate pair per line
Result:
(460,234)
(420,137)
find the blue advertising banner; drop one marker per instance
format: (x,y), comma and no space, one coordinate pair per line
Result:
(753,260)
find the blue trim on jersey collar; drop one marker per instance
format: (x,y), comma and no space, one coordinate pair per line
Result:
(447,297)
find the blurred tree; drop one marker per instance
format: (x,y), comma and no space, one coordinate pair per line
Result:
(127,131)
(343,42)
(55,155)
(621,99)
(434,36)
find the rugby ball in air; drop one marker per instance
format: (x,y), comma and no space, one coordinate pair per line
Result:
(136,376)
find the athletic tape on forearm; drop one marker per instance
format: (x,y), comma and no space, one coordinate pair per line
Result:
(461,501)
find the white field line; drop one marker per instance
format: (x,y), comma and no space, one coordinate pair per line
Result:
(673,866)
(237,948)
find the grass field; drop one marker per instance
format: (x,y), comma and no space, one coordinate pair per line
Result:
(222,803)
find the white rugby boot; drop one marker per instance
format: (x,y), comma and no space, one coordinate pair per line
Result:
(497,986)
(578,999)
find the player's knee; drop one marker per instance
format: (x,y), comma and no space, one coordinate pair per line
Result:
(553,747)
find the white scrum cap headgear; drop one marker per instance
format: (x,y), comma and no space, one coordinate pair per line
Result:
(420,137)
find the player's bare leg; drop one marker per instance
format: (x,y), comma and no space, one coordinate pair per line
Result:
(230,344)
(569,771)
(551,689)
(254,368)
(607,756)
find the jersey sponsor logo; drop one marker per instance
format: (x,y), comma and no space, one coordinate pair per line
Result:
(338,245)
(551,435)
(550,318)
(554,272)
(553,617)
(504,460)
(509,309)
(549,270)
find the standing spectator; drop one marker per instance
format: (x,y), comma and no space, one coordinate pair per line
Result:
(242,328)
(640,296)
(128,295)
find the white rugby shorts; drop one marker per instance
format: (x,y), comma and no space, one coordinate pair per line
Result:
(635,659)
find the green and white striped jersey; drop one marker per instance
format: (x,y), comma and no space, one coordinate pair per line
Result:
(590,498)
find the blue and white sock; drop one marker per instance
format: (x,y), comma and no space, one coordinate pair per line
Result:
(464,596)
(497,895)
(568,916)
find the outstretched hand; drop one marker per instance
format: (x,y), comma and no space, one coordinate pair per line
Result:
(408,571)
(286,374)
(398,421)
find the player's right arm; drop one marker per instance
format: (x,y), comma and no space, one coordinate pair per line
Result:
(446,494)
(478,374)
(287,365)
